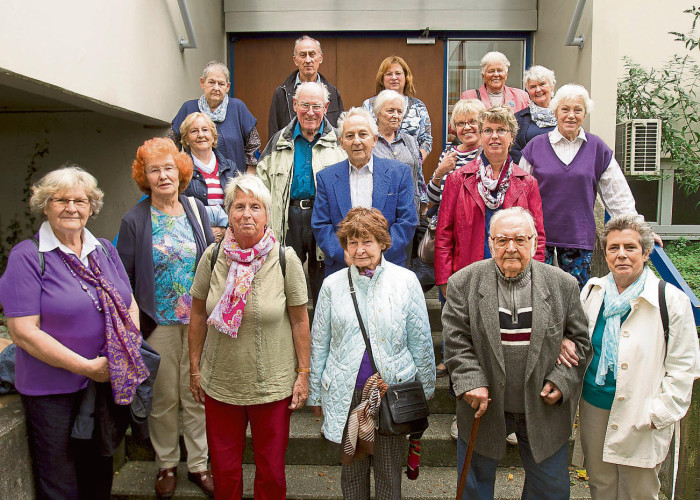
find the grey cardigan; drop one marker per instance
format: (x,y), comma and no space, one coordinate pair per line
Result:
(474,355)
(135,247)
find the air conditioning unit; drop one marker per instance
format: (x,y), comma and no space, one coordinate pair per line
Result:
(638,146)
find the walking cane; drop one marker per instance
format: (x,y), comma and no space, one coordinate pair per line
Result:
(467,459)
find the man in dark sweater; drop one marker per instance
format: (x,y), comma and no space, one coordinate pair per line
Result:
(503,323)
(307,57)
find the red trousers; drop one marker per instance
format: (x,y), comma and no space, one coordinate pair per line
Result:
(226,428)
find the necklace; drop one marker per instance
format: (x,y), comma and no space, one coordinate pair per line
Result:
(83,285)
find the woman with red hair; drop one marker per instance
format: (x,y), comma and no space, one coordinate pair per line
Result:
(161,240)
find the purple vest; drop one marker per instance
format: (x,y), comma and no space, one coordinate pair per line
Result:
(568,191)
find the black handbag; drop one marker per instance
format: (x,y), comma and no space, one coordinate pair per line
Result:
(403,409)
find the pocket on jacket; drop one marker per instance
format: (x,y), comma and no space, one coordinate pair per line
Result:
(325,380)
(407,374)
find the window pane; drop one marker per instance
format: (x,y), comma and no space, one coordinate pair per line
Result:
(463,72)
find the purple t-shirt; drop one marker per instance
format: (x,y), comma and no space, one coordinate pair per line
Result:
(66,312)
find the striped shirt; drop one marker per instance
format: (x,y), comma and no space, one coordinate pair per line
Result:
(215,195)
(515,328)
(435,190)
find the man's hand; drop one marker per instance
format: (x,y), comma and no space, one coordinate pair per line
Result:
(478,399)
(567,353)
(300,393)
(550,393)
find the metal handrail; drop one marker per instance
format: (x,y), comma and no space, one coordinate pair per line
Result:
(670,274)
(191,42)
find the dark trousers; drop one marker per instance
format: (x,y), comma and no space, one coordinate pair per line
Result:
(547,480)
(64,468)
(301,239)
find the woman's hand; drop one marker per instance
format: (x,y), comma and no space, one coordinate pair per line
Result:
(567,353)
(448,163)
(219,233)
(196,388)
(300,393)
(98,369)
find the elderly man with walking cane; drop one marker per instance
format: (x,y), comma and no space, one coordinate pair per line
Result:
(503,324)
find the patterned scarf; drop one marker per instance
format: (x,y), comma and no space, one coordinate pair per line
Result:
(492,191)
(123,340)
(543,117)
(243,264)
(615,306)
(359,440)
(218,115)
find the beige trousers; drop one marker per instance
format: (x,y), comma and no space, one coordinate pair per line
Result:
(612,481)
(170,391)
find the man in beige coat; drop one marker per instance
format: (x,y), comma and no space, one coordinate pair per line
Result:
(288,167)
(503,325)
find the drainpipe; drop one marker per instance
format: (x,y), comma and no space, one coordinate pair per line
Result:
(191,42)
(570,40)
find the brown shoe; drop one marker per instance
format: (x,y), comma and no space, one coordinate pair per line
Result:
(165,482)
(204,480)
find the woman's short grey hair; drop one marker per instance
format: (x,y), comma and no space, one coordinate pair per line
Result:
(216,65)
(571,92)
(633,222)
(466,107)
(251,185)
(503,115)
(66,178)
(383,98)
(494,57)
(538,74)
(313,87)
(354,111)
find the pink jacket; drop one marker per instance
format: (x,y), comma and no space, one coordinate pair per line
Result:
(517,99)
(459,239)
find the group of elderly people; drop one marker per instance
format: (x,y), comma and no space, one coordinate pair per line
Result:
(204,270)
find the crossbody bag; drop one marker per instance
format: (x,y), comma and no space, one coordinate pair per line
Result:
(403,409)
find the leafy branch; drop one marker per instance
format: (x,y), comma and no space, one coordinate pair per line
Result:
(671,94)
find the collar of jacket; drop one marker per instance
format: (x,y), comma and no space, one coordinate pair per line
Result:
(471,168)
(286,139)
(650,292)
(364,284)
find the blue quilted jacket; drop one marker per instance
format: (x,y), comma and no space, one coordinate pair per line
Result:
(393,309)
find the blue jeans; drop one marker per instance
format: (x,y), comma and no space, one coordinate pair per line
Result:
(547,480)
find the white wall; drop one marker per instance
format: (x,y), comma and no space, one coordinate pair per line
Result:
(121,56)
(612,30)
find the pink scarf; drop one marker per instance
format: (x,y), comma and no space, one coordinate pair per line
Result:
(243,264)
(493,191)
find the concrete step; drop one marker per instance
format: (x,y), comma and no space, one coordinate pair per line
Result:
(307,446)
(135,481)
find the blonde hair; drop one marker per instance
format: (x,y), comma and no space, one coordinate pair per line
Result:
(69,176)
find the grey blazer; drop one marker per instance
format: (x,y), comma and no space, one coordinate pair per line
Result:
(474,355)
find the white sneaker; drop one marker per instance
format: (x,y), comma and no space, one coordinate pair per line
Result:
(512,439)
(454,432)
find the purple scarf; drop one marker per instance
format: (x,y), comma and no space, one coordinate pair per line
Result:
(123,340)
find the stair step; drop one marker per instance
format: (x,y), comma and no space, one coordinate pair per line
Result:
(135,481)
(308,447)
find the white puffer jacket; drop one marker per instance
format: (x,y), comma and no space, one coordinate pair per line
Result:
(393,309)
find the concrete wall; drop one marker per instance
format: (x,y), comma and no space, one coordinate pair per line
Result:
(120,56)
(612,30)
(103,145)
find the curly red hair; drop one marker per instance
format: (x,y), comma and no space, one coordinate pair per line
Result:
(159,146)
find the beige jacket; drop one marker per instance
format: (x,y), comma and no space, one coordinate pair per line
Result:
(276,169)
(654,383)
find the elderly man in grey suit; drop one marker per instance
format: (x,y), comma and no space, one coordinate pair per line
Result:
(503,324)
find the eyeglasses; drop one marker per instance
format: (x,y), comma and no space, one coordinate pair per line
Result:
(502,241)
(305,106)
(63,202)
(500,131)
(167,169)
(470,124)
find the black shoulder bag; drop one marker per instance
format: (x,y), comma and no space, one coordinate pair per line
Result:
(403,409)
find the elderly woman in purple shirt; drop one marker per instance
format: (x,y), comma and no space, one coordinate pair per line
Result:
(71,313)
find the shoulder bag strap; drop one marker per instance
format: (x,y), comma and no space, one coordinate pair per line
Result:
(362,325)
(478,94)
(664,310)
(214,257)
(283,261)
(195,209)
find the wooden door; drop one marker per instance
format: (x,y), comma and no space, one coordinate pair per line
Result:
(350,63)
